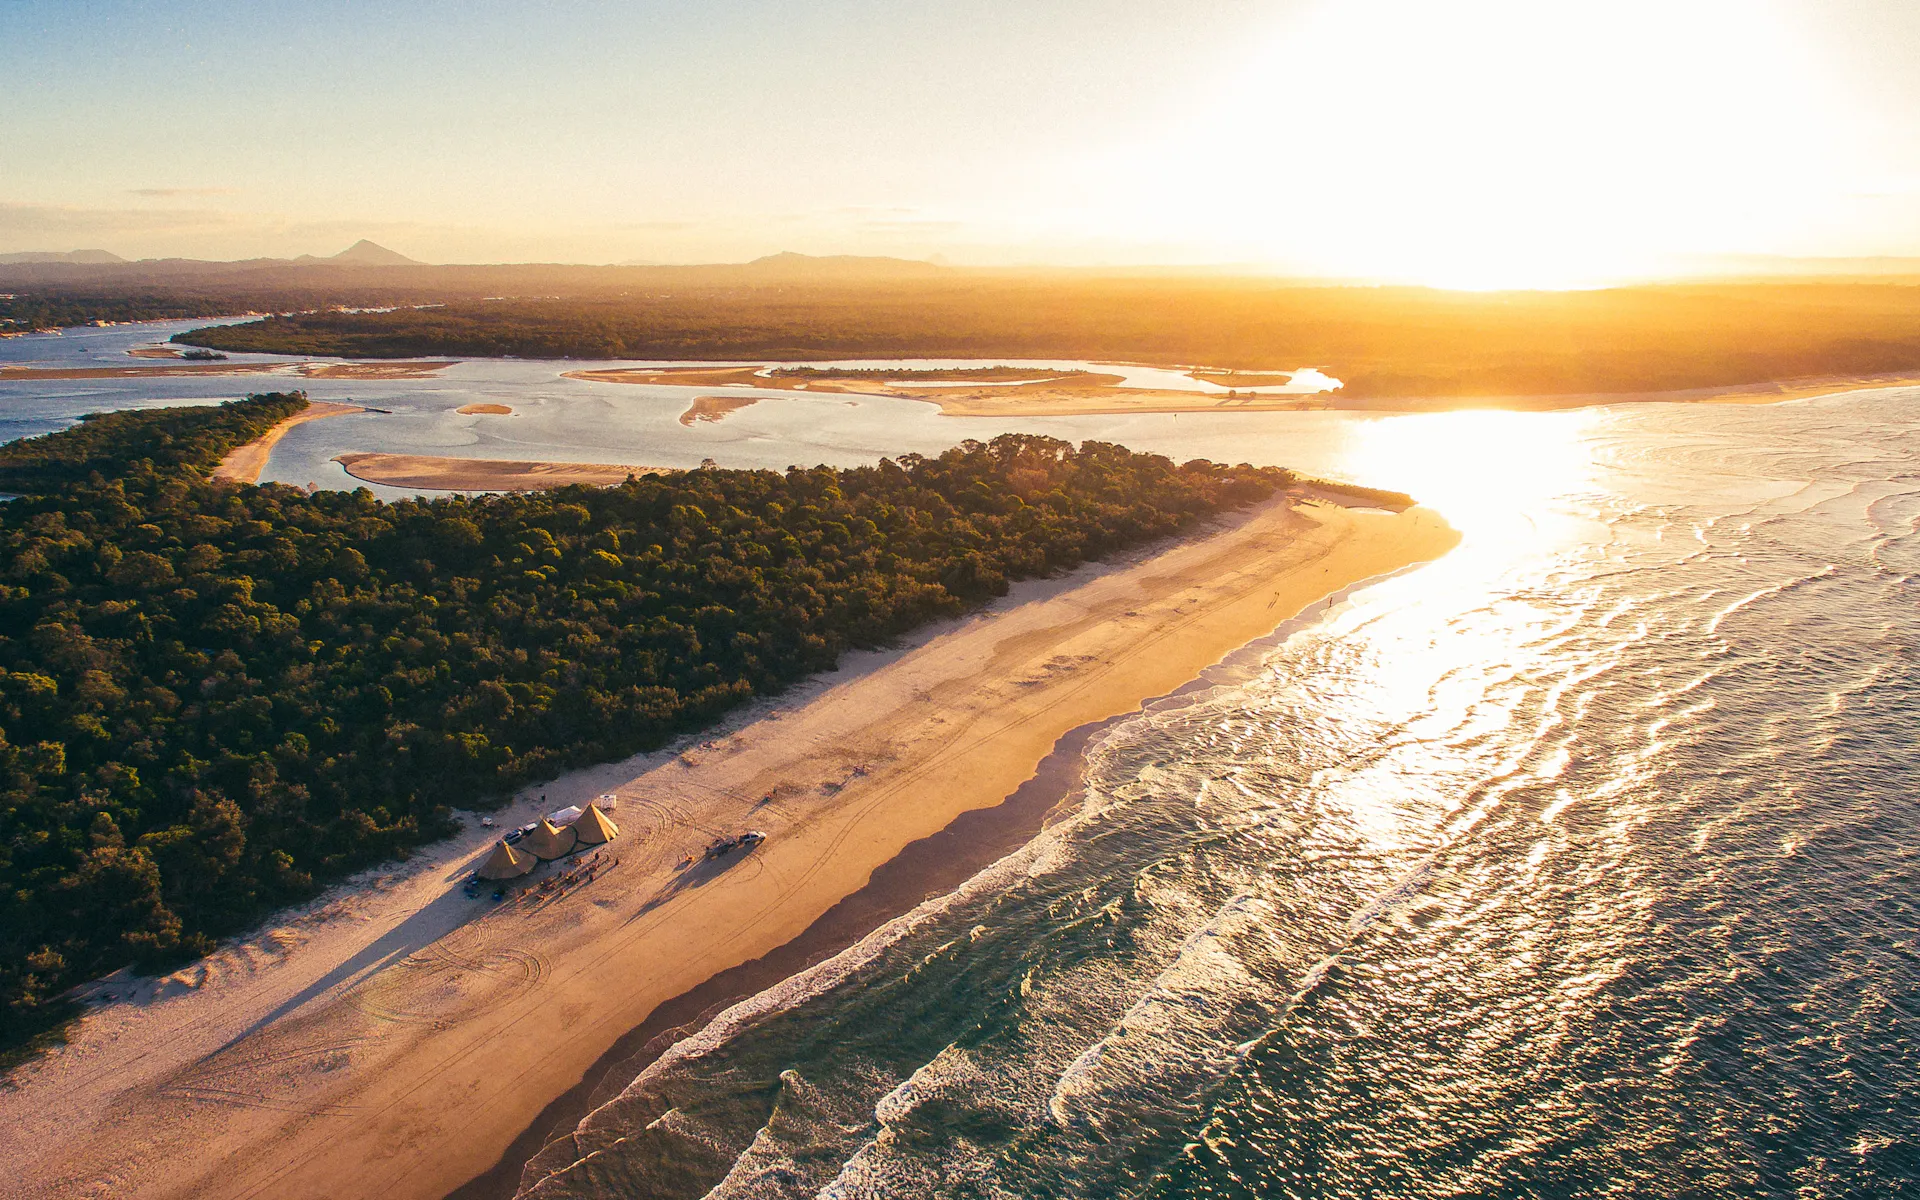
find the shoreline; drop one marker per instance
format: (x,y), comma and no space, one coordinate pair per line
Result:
(933,865)
(923,870)
(399,1048)
(243,464)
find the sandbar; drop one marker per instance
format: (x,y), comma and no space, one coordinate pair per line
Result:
(494,410)
(376,370)
(312,370)
(245,463)
(151,370)
(436,474)
(1095,395)
(715,408)
(393,1039)
(1089,394)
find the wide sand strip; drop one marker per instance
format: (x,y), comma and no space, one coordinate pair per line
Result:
(433,473)
(245,464)
(394,1042)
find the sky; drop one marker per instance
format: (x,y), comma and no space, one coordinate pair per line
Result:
(1456,142)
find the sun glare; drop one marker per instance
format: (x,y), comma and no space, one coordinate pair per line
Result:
(1498,143)
(1493,474)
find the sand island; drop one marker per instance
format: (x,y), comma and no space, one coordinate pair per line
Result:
(964,392)
(715,408)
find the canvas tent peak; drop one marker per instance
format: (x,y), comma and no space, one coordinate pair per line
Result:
(505,863)
(549,840)
(594,827)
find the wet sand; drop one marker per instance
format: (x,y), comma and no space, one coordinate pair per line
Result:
(245,464)
(435,474)
(396,1050)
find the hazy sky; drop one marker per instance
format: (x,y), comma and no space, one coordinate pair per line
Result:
(1442,140)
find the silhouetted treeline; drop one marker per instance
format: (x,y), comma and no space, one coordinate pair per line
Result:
(24,313)
(1384,342)
(215,697)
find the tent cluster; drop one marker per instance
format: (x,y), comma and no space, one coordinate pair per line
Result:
(549,841)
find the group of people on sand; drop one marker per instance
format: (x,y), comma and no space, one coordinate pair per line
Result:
(583,872)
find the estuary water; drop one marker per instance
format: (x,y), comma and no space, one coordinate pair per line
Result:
(573,420)
(1581,861)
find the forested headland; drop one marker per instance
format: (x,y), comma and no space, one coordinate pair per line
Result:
(216,697)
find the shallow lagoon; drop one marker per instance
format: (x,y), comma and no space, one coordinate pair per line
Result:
(574,420)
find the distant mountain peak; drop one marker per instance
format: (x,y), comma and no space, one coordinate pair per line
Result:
(363,253)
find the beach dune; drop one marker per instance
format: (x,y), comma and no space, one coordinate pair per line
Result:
(395,1039)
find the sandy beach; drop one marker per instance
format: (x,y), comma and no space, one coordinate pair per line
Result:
(395,1037)
(244,464)
(433,473)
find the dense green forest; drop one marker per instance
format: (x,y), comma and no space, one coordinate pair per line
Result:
(216,697)
(1387,344)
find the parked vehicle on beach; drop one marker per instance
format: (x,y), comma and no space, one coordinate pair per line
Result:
(745,841)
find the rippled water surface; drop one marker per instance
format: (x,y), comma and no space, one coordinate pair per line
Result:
(1580,861)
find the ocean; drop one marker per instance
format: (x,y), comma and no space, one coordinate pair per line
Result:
(1582,861)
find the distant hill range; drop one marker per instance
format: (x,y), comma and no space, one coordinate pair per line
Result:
(62,256)
(1780,267)
(370,274)
(364,253)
